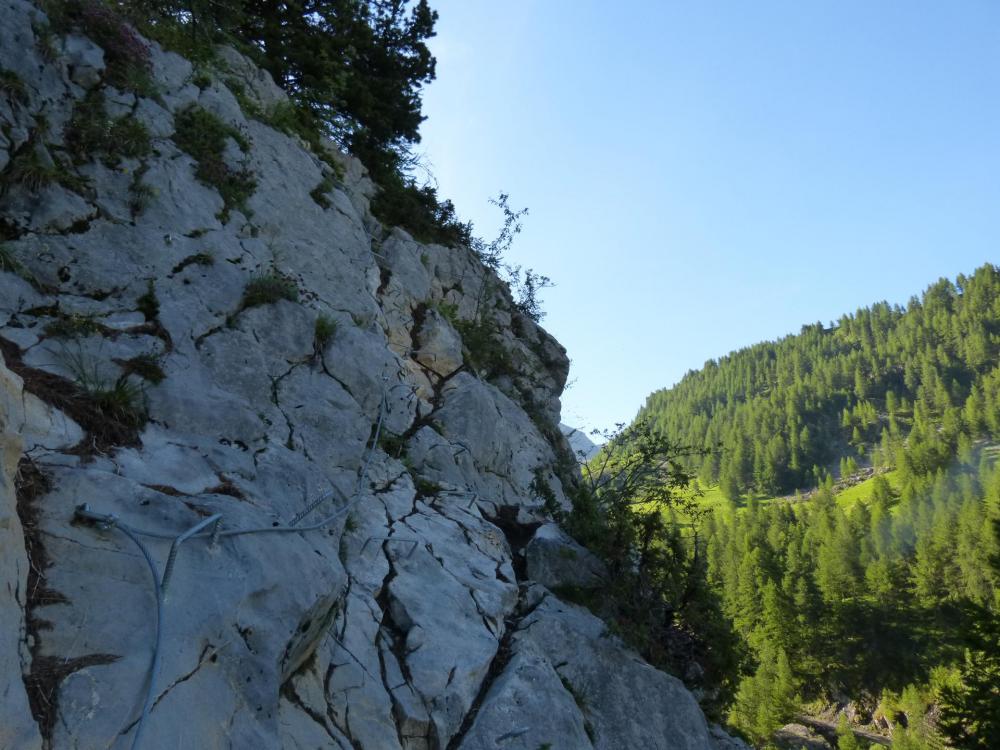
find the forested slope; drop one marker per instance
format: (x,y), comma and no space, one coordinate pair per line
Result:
(885,609)
(784,413)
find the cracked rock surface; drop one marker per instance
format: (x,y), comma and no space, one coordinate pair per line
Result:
(376,605)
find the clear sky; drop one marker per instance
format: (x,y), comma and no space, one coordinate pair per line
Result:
(705,175)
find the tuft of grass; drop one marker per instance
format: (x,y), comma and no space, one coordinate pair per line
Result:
(121,402)
(10,264)
(132,138)
(268,288)
(392,445)
(72,326)
(140,194)
(28,169)
(203,136)
(318,193)
(202,80)
(147,303)
(92,133)
(325,330)
(112,412)
(426,487)
(198,259)
(146,366)
(484,353)
(13,87)
(46,44)
(31,171)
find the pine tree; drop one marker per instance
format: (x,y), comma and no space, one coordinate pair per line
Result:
(845,735)
(970,716)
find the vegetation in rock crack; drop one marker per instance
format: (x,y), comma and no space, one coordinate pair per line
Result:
(91,133)
(10,264)
(318,193)
(267,288)
(12,87)
(112,405)
(204,137)
(141,194)
(148,303)
(33,169)
(72,325)
(324,330)
(524,283)
(146,366)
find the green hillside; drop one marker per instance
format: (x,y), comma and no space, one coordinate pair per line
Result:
(852,485)
(788,412)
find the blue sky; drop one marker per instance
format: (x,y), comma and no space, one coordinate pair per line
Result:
(705,175)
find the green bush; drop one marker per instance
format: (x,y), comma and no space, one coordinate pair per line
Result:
(147,303)
(483,352)
(92,133)
(318,193)
(325,330)
(10,264)
(29,170)
(203,136)
(268,288)
(140,194)
(146,366)
(13,87)
(198,259)
(72,326)
(401,202)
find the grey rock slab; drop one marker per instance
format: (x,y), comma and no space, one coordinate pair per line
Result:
(171,71)
(322,419)
(527,707)
(179,203)
(301,731)
(256,81)
(190,400)
(626,702)
(18,729)
(724,741)
(238,581)
(16,294)
(360,361)
(406,262)
(447,642)
(37,425)
(500,438)
(83,59)
(554,559)
(439,345)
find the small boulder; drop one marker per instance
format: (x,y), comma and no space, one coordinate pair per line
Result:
(84,61)
(555,560)
(440,346)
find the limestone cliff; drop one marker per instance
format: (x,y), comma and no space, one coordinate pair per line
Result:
(290,371)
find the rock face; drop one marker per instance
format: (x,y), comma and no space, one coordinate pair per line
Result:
(356,592)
